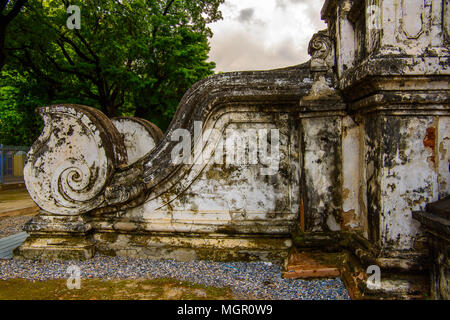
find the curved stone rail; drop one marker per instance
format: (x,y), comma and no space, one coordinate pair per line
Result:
(210,102)
(101,174)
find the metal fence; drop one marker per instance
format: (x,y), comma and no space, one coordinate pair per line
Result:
(12,161)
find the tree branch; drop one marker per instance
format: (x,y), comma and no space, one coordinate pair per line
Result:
(80,75)
(166,10)
(76,48)
(86,44)
(65,53)
(165,13)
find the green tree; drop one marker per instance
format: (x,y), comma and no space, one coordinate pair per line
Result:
(18,95)
(133,57)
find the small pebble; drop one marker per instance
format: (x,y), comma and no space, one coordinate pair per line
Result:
(12,225)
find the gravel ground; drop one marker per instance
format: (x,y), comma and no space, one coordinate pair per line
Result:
(254,280)
(12,225)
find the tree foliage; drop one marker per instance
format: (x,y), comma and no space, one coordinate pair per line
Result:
(19,96)
(130,57)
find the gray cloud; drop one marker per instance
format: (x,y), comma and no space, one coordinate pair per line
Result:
(245,47)
(245,15)
(236,51)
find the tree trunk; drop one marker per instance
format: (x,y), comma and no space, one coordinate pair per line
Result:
(112,110)
(108,107)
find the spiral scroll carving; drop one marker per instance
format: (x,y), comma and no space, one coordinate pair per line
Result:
(72,162)
(321,49)
(320,46)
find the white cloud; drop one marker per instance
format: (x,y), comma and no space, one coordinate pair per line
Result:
(267,34)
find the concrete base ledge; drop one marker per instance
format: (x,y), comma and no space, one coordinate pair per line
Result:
(55,248)
(180,248)
(185,248)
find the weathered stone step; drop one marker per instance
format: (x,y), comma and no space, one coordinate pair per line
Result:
(305,265)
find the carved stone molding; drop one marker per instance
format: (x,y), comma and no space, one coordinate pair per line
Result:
(412,21)
(321,50)
(322,95)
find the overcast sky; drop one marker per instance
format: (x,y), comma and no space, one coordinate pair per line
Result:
(264,34)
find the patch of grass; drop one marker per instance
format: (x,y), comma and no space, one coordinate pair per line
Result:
(96,289)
